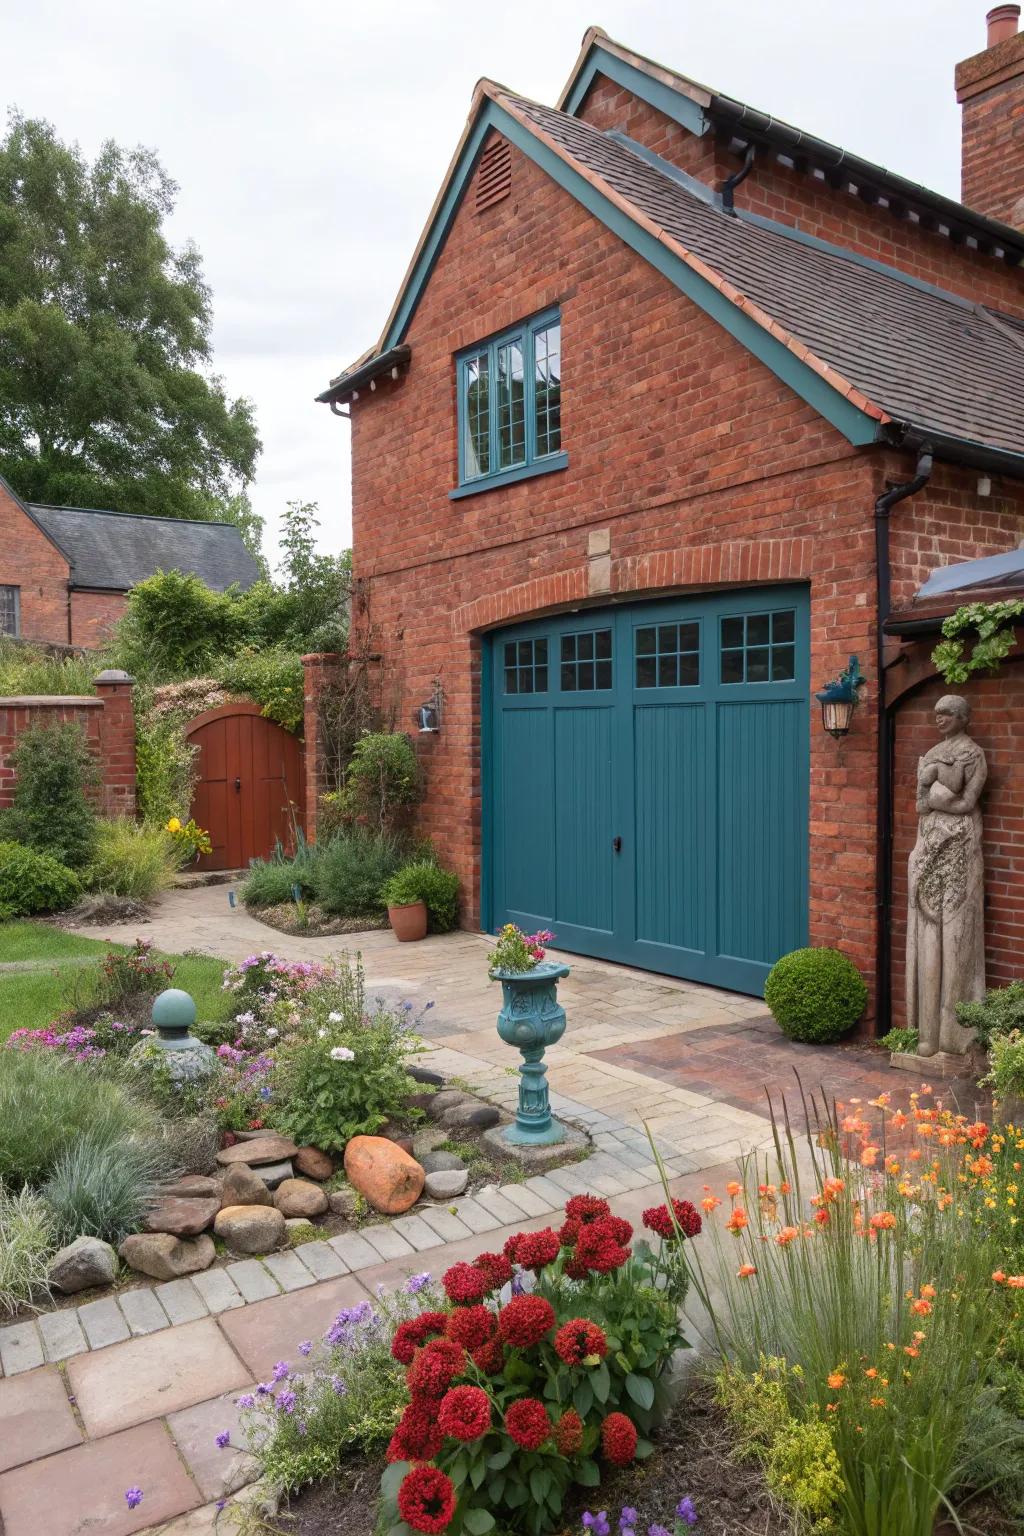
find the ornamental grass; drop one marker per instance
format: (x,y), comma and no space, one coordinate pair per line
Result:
(869,1282)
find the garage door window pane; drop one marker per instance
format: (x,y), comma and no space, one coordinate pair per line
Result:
(526,666)
(759,647)
(667,656)
(586,661)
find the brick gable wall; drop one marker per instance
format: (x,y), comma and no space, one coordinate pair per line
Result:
(93,616)
(30,562)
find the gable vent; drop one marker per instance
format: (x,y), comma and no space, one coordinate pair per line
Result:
(494,174)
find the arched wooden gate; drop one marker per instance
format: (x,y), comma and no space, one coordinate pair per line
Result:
(250,791)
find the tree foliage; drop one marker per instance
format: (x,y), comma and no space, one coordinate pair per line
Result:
(106,394)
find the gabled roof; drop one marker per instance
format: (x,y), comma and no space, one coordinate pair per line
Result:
(879,354)
(112,551)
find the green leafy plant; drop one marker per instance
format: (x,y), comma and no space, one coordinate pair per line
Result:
(802,1468)
(352,869)
(188,839)
(815,995)
(1000,1012)
(123,974)
(51,811)
(903,1040)
(130,858)
(164,765)
(26,1247)
(1006,1075)
(272,881)
(992,624)
(174,625)
(98,1188)
(517,951)
(383,779)
(437,888)
(29,670)
(34,882)
(272,677)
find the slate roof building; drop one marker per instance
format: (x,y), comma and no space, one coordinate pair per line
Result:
(64,571)
(677,408)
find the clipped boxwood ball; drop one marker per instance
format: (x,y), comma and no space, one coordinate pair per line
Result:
(815,994)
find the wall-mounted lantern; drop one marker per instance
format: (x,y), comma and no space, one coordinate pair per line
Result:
(839,699)
(428,717)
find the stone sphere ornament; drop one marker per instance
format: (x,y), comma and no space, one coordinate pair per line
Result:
(531,1019)
(186,1058)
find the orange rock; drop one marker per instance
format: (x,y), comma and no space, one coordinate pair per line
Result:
(389,1178)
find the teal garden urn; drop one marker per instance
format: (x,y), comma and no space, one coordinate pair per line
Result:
(187,1059)
(531,1019)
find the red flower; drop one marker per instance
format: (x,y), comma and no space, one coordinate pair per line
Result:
(418,1436)
(527,1422)
(490,1357)
(472,1326)
(525,1321)
(426,1499)
(569,1433)
(658,1220)
(435,1368)
(579,1339)
(569,1231)
(465,1413)
(618,1439)
(496,1267)
(511,1244)
(586,1208)
(574,1270)
(465,1284)
(600,1245)
(410,1335)
(536,1249)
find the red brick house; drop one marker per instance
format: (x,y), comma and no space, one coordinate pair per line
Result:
(678,408)
(64,571)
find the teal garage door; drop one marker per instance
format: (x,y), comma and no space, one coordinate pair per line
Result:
(645,782)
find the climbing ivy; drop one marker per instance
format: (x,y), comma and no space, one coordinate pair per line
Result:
(992,623)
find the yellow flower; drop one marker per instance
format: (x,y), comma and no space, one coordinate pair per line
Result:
(174,825)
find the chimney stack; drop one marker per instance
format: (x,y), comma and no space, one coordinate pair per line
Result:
(990,90)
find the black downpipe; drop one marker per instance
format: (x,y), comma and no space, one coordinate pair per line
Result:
(729,187)
(886,734)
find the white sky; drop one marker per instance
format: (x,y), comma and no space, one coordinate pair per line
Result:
(309,138)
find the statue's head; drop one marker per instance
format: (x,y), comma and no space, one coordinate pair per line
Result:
(952,715)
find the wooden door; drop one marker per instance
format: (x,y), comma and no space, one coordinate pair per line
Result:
(249,791)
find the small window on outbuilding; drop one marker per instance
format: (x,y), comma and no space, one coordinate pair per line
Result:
(10,611)
(510,405)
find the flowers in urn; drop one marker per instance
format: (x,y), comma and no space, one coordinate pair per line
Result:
(516,951)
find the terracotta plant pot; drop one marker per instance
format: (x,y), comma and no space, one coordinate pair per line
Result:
(409,922)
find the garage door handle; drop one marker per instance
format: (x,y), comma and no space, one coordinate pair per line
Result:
(617,844)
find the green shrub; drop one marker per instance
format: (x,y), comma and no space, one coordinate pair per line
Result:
(273,678)
(173,626)
(1006,1077)
(802,1468)
(270,882)
(164,767)
(425,881)
(1001,1011)
(34,882)
(900,1040)
(51,811)
(47,1103)
(382,780)
(98,1188)
(352,870)
(130,859)
(26,1247)
(25,670)
(816,995)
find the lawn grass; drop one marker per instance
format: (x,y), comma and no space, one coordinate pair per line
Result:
(31,999)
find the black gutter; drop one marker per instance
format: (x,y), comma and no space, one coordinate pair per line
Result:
(373,368)
(886,735)
(748,123)
(729,187)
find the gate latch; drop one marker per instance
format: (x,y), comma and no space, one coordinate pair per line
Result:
(617,844)
(238,786)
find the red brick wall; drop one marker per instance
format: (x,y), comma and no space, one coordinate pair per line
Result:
(109,725)
(93,616)
(990,88)
(30,562)
(811,205)
(997,710)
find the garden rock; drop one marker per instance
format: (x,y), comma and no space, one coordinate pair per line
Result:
(266,1149)
(250,1228)
(298,1197)
(448,1098)
(426,1140)
(313,1163)
(471,1113)
(192,1185)
(345,1202)
(85,1262)
(387,1176)
(244,1186)
(183,1216)
(424,1101)
(399,1134)
(441,1162)
(166,1257)
(273,1174)
(446,1183)
(425,1075)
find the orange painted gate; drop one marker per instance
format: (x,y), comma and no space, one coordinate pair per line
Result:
(250,788)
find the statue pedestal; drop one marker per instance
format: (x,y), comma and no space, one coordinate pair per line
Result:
(944,1064)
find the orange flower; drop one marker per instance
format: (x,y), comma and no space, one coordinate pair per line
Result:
(898,1120)
(883,1221)
(785,1187)
(745,1271)
(822,1217)
(878,1402)
(732,1189)
(787,1235)
(831,1407)
(1015,1282)
(928,1292)
(710,1203)
(998,1277)
(871,1373)
(836,1380)
(911,1349)
(882,1102)
(919,1337)
(737,1221)
(920,1308)
(869,1156)
(914,1154)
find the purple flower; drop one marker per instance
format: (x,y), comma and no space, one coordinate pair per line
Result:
(301,1426)
(338,1387)
(133,1497)
(597,1524)
(280,1371)
(245,1401)
(417,1283)
(658,1530)
(628,1516)
(285,1401)
(686,1510)
(224,1438)
(305,1347)
(263,1389)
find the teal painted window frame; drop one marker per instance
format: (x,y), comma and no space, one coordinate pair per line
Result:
(524,336)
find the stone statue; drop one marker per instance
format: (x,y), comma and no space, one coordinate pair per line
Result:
(946,920)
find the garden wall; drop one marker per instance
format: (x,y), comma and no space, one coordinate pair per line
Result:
(997,720)
(108,721)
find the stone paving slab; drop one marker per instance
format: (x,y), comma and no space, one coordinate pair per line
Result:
(353,1251)
(218,1470)
(269,1331)
(21,1348)
(218,1290)
(80,1492)
(35,1417)
(102,1322)
(447,1226)
(321,1261)
(253,1280)
(388,1243)
(181,1301)
(288,1270)
(142,1312)
(146,1377)
(416,1232)
(62,1334)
